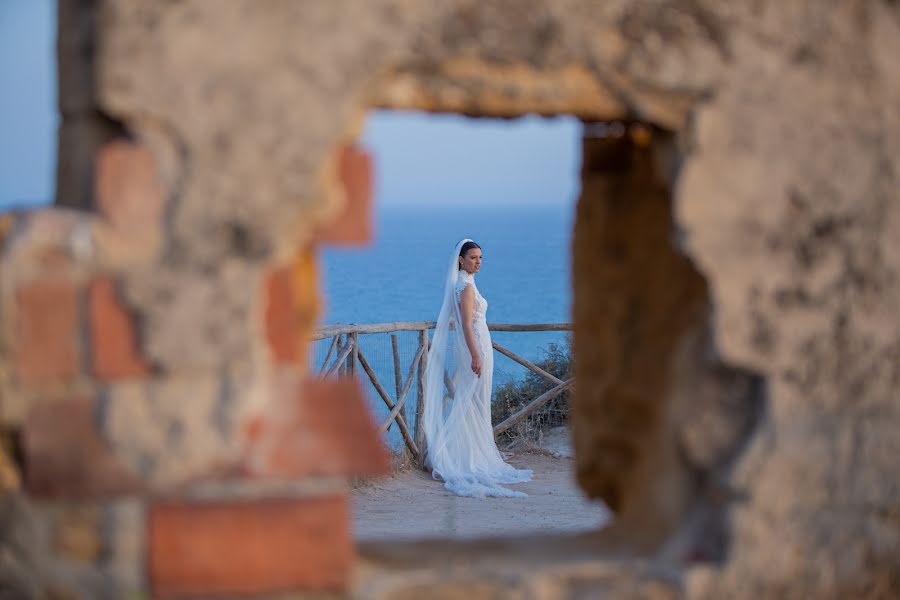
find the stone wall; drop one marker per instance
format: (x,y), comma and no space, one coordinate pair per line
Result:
(154,396)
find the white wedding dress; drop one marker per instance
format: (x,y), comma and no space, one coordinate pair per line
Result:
(461,450)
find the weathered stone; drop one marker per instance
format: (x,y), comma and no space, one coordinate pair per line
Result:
(175,429)
(81,137)
(352,225)
(550,567)
(647,372)
(76,533)
(765,240)
(194,317)
(125,526)
(47,244)
(10,478)
(131,200)
(802,273)
(495,58)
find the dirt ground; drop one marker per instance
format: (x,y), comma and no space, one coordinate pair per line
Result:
(412,505)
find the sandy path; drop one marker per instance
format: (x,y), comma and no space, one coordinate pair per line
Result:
(411,505)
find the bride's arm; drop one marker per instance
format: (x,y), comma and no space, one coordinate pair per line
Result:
(467,314)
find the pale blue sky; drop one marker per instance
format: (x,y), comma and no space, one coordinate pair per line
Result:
(448,159)
(28,116)
(438,159)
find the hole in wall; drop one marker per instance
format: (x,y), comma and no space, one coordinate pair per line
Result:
(510,185)
(644,347)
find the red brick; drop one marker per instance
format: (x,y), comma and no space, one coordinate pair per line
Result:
(325,428)
(256,547)
(353,226)
(292,309)
(65,455)
(114,341)
(47,332)
(129,193)
(281,317)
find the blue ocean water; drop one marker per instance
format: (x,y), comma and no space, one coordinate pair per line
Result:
(525,275)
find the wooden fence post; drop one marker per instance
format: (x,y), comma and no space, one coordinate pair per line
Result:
(421,391)
(331,349)
(338,363)
(398,376)
(344,346)
(342,371)
(352,359)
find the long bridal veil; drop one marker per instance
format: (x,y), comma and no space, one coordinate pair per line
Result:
(457,420)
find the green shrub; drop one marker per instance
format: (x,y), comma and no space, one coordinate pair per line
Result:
(512,396)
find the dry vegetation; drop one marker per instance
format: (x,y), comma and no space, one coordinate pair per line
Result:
(513,395)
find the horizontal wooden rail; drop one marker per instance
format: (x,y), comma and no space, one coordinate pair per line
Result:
(533,406)
(527,364)
(534,327)
(334,330)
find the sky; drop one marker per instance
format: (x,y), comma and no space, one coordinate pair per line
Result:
(28,115)
(449,159)
(439,159)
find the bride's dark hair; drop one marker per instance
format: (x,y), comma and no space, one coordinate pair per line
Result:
(466,247)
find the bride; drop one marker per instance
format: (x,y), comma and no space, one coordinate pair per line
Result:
(457,420)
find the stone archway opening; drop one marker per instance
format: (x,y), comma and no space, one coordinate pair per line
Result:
(511,185)
(659,418)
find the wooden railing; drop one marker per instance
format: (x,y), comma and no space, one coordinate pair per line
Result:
(344,354)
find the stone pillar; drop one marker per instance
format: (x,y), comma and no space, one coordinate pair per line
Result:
(220,481)
(147,455)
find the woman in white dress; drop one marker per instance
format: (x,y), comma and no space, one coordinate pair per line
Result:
(457,420)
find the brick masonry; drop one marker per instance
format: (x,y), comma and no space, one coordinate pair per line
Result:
(48,327)
(65,455)
(323,428)
(130,202)
(292,308)
(282,331)
(252,547)
(113,336)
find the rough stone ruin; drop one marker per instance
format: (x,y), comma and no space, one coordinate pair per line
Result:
(736,281)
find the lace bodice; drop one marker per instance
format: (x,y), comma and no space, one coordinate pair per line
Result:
(466,279)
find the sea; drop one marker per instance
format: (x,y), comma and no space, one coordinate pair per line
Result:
(525,277)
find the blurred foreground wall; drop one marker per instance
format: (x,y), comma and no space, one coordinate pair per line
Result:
(736,253)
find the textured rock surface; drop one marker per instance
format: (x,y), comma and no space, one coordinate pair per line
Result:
(787,120)
(658,417)
(635,298)
(242,188)
(789,201)
(552,567)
